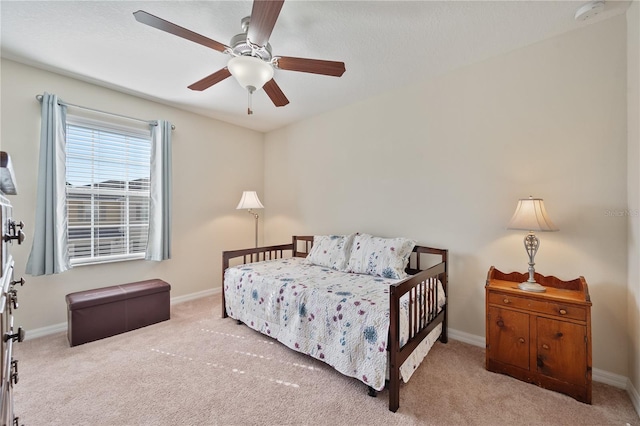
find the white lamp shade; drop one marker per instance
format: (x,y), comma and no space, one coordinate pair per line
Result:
(251,72)
(531,215)
(249,200)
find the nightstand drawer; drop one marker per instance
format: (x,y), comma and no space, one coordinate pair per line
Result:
(549,308)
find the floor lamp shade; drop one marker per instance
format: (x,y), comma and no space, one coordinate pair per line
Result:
(251,201)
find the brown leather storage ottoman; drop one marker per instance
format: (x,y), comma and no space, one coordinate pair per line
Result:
(103,312)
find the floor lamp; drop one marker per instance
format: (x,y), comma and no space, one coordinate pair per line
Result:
(251,201)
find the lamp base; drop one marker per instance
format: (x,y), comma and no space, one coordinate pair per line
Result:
(529,286)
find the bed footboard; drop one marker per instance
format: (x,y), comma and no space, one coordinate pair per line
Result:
(421,290)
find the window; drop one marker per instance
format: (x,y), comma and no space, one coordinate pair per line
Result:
(107,185)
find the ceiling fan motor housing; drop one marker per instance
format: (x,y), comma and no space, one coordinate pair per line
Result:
(241,47)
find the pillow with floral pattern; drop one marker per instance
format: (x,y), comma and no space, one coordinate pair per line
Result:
(331,251)
(383,257)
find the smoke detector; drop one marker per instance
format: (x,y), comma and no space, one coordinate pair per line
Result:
(589,10)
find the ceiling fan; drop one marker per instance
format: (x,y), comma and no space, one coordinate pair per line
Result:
(252,63)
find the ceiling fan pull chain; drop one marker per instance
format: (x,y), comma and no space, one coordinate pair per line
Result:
(249,110)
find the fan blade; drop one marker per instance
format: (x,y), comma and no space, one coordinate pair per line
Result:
(272,90)
(263,18)
(315,66)
(171,28)
(210,80)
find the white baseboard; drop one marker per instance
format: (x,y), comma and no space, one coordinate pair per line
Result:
(194,296)
(608,378)
(62,327)
(469,338)
(634,395)
(45,331)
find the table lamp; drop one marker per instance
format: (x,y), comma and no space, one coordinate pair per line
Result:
(531,216)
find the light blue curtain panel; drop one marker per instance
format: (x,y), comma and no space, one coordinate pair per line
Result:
(49,254)
(159,242)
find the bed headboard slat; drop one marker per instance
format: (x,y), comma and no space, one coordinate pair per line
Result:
(302,245)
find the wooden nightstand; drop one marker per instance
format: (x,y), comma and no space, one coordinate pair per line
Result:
(541,338)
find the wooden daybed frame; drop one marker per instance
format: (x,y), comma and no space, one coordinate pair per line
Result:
(417,286)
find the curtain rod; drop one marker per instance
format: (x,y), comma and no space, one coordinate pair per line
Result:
(153,123)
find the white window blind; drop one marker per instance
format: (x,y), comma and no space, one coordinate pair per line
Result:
(108,169)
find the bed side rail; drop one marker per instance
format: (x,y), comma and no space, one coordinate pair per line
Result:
(251,255)
(421,293)
(422,261)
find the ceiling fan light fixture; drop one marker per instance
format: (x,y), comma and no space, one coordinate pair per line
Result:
(250,72)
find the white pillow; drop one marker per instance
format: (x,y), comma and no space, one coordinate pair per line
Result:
(331,251)
(383,257)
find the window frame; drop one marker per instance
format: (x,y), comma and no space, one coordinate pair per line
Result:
(126,131)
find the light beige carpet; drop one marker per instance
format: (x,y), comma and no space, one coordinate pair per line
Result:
(198,369)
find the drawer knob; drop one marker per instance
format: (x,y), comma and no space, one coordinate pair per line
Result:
(545,346)
(521,340)
(506,300)
(563,312)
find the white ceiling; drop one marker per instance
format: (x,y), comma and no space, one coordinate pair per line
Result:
(384,45)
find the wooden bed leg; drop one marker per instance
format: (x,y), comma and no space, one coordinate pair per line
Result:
(444,336)
(372,392)
(394,392)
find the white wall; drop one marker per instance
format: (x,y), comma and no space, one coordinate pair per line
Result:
(633,185)
(213,162)
(444,162)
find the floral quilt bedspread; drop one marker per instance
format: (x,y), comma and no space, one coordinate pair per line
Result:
(337,317)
